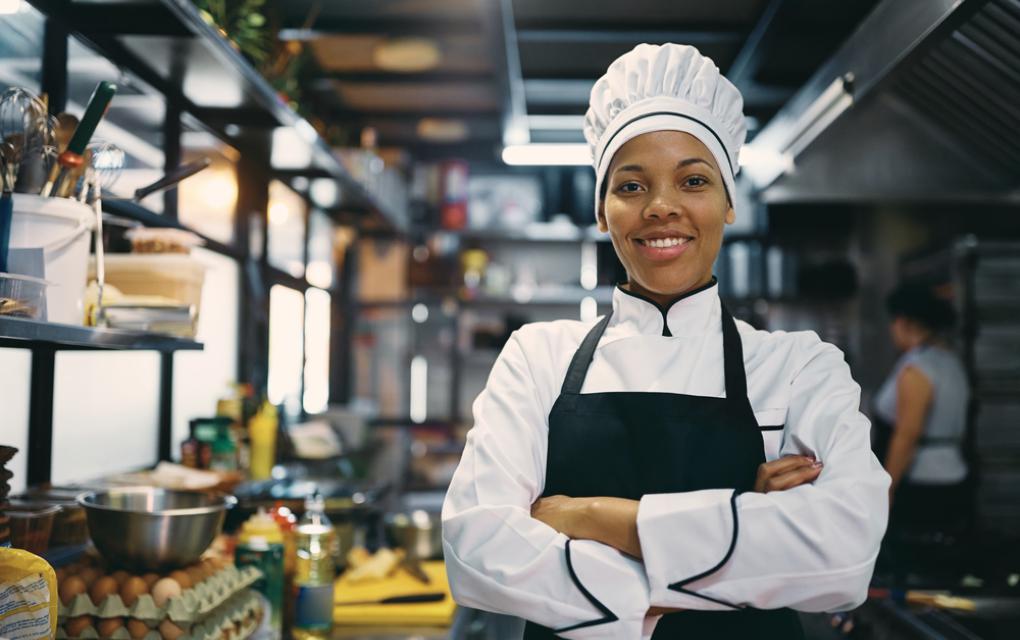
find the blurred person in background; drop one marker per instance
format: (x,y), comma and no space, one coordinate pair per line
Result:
(921,414)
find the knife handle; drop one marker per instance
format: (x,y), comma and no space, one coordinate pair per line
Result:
(420,597)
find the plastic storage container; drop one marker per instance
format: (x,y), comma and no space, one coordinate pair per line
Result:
(61,227)
(31,527)
(21,296)
(175,276)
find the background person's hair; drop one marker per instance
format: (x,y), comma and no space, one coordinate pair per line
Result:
(918,303)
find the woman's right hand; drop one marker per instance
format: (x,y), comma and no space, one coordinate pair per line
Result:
(786,473)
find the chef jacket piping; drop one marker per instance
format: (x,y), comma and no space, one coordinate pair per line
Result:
(607,615)
(666,333)
(609,142)
(679,586)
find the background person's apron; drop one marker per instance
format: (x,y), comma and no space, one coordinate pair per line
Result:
(628,444)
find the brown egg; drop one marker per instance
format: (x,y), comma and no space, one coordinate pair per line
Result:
(120,576)
(181,578)
(74,627)
(169,630)
(195,574)
(89,575)
(108,626)
(101,589)
(132,588)
(70,588)
(150,579)
(137,628)
(165,589)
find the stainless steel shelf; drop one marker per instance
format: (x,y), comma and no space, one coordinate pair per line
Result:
(168,45)
(22,333)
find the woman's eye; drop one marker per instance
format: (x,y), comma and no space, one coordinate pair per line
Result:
(629,187)
(695,181)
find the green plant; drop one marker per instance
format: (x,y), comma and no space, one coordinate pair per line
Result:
(243,22)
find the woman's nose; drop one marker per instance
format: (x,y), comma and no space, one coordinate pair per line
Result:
(662,206)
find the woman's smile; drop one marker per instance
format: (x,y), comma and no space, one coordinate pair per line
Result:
(663,244)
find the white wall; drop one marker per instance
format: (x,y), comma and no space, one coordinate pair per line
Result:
(105,413)
(203,377)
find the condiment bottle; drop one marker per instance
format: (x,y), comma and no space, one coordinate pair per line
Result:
(260,544)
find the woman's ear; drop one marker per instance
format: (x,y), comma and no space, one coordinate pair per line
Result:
(731,215)
(601,215)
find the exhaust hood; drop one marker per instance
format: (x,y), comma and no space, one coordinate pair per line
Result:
(921,103)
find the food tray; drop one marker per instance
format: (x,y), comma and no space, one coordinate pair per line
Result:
(193,604)
(238,617)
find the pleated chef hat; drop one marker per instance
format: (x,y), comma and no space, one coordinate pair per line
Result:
(669,87)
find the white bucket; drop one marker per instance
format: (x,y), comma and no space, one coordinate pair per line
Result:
(61,228)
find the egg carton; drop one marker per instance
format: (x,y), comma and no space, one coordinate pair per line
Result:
(239,617)
(193,603)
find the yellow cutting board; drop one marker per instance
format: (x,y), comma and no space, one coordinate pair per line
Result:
(400,583)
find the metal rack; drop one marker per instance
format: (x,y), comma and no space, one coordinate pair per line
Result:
(164,45)
(44,339)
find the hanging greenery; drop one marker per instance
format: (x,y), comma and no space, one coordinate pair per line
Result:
(244,23)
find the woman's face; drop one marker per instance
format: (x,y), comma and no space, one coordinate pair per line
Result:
(665,210)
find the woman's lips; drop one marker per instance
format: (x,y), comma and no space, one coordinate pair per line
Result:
(662,249)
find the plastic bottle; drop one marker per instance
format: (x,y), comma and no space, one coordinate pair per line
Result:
(313,579)
(262,432)
(260,544)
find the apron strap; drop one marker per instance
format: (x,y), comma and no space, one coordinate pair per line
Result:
(733,358)
(583,357)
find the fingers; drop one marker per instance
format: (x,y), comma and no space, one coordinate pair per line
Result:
(788,463)
(791,479)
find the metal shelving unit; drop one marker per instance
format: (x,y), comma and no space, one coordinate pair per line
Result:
(44,339)
(168,45)
(166,48)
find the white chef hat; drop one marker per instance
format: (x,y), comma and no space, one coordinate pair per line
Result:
(669,87)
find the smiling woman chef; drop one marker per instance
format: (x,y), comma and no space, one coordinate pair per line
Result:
(667,470)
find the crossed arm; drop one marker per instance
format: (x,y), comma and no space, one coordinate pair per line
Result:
(613,521)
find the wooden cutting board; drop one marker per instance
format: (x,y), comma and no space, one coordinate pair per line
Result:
(400,583)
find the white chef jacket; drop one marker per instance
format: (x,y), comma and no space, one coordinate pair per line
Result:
(812,548)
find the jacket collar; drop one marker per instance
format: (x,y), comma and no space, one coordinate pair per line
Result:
(691,314)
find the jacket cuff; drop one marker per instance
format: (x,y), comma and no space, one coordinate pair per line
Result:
(687,538)
(616,587)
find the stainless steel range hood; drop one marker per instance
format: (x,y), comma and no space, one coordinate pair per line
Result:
(921,103)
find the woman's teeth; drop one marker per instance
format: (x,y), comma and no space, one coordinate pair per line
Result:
(662,243)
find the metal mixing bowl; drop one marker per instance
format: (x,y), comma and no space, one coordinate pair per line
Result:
(150,528)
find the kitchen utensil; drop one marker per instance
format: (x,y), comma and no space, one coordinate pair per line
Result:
(72,156)
(150,528)
(417,598)
(105,161)
(172,179)
(23,126)
(413,567)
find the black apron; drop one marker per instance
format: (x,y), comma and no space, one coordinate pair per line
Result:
(628,444)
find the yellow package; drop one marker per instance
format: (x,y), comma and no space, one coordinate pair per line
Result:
(28,596)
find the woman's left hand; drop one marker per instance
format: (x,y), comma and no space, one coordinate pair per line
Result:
(563,513)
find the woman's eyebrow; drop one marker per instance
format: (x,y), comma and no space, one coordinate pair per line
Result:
(630,167)
(689,161)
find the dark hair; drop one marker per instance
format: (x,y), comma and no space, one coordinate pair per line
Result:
(918,303)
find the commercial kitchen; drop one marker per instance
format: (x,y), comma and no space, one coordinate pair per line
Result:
(288,291)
